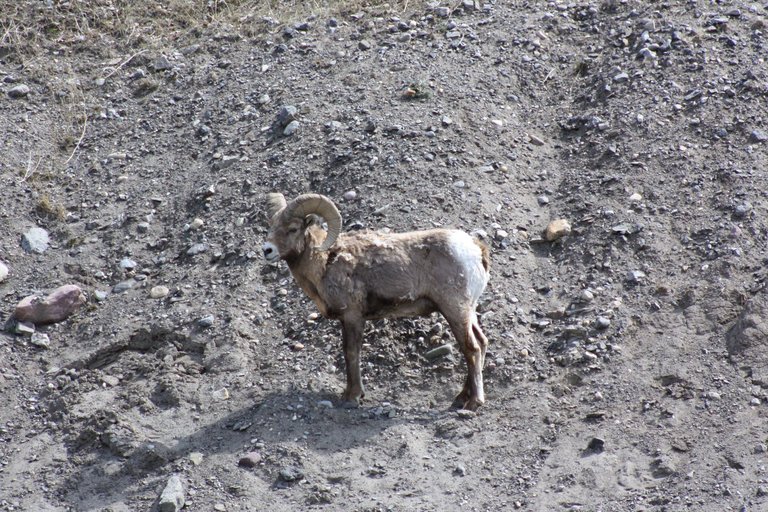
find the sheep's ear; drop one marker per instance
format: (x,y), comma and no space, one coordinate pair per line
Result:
(310,220)
(275,204)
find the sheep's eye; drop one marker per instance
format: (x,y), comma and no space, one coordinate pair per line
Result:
(293,230)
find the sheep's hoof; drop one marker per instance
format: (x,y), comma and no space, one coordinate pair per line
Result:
(350,404)
(462,402)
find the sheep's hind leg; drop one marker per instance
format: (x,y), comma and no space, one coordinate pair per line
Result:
(472,343)
(352,335)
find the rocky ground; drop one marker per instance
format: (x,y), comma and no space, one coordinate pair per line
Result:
(628,368)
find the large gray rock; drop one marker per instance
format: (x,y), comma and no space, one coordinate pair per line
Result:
(3,271)
(35,240)
(172,498)
(57,306)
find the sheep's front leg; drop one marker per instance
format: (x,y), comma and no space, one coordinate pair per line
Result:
(352,335)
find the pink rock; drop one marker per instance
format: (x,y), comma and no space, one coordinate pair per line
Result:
(57,306)
(250,460)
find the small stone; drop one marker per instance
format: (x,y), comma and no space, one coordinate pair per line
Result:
(142,227)
(250,460)
(221,394)
(465,414)
(459,184)
(3,271)
(291,474)
(501,234)
(587,296)
(286,114)
(543,200)
(196,458)
(758,136)
(297,347)
(635,276)
(557,229)
(350,195)
(159,292)
(755,402)
(291,128)
(20,91)
(220,507)
(263,99)
(55,307)
(196,223)
(621,77)
(442,11)
(741,210)
(326,404)
(596,445)
(535,140)
(712,395)
(100,295)
(123,286)
(41,340)
(206,321)
(460,470)
(523,353)
(35,240)
(602,322)
(197,249)
(437,352)
(447,121)
(172,497)
(128,264)
(364,45)
(110,380)
(24,328)
(635,198)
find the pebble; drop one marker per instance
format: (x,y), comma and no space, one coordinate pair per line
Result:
(128,264)
(41,340)
(327,404)
(297,347)
(250,460)
(596,445)
(20,91)
(196,458)
(196,223)
(436,352)
(447,121)
(142,227)
(35,240)
(197,249)
(350,195)
(25,329)
(158,292)
(291,474)
(741,210)
(442,11)
(220,507)
(291,128)
(364,45)
(501,234)
(460,470)
(543,200)
(557,229)
(635,276)
(587,296)
(123,286)
(206,321)
(263,99)
(758,136)
(635,198)
(712,395)
(602,322)
(3,271)
(286,114)
(172,498)
(221,394)
(755,401)
(535,140)
(459,184)
(55,307)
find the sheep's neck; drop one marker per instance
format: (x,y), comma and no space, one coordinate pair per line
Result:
(308,271)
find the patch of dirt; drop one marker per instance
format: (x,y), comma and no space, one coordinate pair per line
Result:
(626,370)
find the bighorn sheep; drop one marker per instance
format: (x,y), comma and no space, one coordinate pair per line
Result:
(367,276)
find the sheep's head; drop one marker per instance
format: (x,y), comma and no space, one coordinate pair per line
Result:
(289,222)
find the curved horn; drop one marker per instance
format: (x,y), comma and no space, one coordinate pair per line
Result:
(275,203)
(308,204)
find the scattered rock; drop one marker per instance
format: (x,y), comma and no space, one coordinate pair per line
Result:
(206,321)
(159,292)
(196,223)
(124,286)
(596,445)
(24,328)
(758,136)
(196,249)
(364,45)
(543,200)
(172,498)
(35,240)
(290,474)
(635,276)
(3,271)
(291,128)
(602,322)
(40,340)
(535,140)
(250,460)
(196,458)
(19,91)
(437,352)
(557,229)
(56,307)
(128,264)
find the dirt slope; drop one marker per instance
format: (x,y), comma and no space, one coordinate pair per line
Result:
(628,369)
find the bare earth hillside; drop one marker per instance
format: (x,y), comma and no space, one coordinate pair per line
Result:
(628,366)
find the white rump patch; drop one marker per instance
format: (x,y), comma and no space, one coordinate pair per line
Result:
(470,258)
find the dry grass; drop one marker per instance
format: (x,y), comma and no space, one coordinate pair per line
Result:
(48,208)
(29,27)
